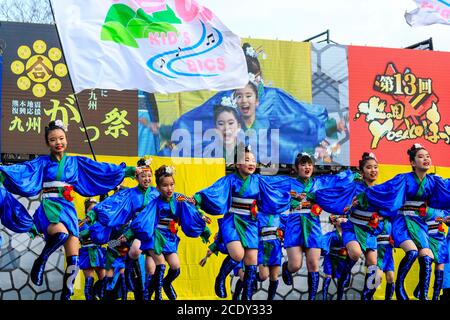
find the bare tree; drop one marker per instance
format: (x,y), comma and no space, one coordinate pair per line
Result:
(34,11)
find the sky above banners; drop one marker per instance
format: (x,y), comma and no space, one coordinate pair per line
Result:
(152,45)
(379,23)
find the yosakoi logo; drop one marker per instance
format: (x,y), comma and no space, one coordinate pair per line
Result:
(38,68)
(405,108)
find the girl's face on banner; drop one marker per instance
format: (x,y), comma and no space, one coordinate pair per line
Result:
(247,101)
(228,125)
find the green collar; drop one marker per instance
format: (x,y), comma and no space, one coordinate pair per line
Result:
(303,181)
(245,184)
(53,158)
(241,177)
(421,185)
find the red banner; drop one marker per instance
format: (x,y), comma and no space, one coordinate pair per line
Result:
(399,97)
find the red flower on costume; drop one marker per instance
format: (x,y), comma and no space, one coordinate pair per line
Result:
(342,252)
(254,210)
(173,227)
(423,210)
(316,210)
(374,219)
(441,227)
(123,249)
(280,234)
(68,193)
(391,241)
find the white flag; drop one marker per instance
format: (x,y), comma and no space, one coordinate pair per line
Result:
(151,45)
(429,12)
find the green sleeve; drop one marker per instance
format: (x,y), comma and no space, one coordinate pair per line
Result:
(294,203)
(198,198)
(33,232)
(357,176)
(2,178)
(130,172)
(84,235)
(205,235)
(331,128)
(310,196)
(129,235)
(92,216)
(214,248)
(362,200)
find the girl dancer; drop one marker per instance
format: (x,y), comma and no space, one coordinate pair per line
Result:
(57,175)
(239,197)
(157,228)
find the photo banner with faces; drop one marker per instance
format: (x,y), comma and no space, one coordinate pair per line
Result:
(296,101)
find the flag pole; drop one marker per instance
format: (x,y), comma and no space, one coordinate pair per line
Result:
(71,84)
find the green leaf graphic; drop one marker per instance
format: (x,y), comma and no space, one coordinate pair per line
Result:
(166,16)
(123,25)
(114,31)
(120,13)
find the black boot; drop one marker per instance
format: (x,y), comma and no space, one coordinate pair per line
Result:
(122,291)
(416,292)
(228,264)
(167,283)
(438,279)
(273,285)
(89,288)
(286,274)
(108,291)
(238,290)
(129,272)
(326,284)
(344,278)
(99,289)
(69,277)
(138,284)
(249,278)
(52,243)
(313,285)
(425,263)
(159,279)
(403,269)
(149,287)
(390,287)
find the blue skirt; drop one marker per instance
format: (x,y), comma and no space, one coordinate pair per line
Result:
(385,257)
(92,257)
(361,234)
(410,228)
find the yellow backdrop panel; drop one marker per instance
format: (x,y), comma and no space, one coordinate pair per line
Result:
(191,175)
(387,172)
